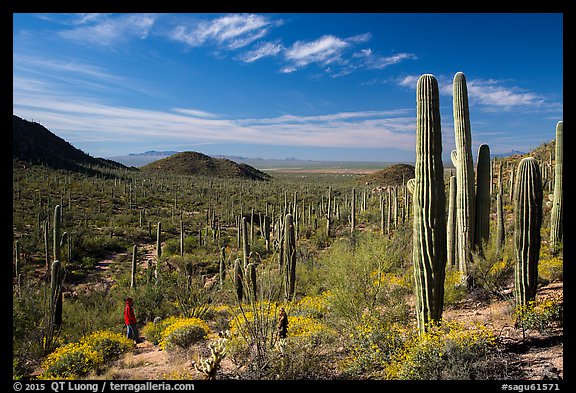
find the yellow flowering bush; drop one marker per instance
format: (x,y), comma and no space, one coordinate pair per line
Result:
(71,361)
(542,314)
(88,354)
(449,350)
(315,306)
(109,344)
(153,331)
(184,332)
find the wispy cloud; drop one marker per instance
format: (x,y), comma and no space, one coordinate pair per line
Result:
(265,49)
(79,119)
(324,50)
(106,30)
(230,32)
(489,94)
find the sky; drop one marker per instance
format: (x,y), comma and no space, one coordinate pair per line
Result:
(310,86)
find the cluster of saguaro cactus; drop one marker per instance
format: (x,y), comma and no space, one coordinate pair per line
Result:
(462,160)
(528,220)
(429,225)
(556,213)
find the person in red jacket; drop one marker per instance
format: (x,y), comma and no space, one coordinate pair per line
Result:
(130,321)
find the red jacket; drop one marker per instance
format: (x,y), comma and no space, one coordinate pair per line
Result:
(129,317)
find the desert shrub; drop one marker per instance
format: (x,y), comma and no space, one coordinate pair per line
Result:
(541,314)
(108,344)
(71,361)
(183,333)
(455,290)
(90,354)
(550,265)
(364,276)
(492,269)
(446,351)
(153,331)
(372,342)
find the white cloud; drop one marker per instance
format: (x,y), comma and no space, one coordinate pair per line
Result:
(104,30)
(490,94)
(264,50)
(323,50)
(82,120)
(231,31)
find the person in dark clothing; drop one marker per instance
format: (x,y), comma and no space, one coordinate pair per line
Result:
(130,321)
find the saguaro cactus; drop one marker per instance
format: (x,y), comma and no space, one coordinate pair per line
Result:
(528,220)
(133,273)
(290,252)
(56,232)
(238,278)
(56,293)
(429,227)
(451,224)
(556,214)
(462,160)
(483,180)
(501,233)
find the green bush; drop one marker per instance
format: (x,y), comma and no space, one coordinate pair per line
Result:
(183,333)
(542,315)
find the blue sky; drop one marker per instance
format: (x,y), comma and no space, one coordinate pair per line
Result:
(305,85)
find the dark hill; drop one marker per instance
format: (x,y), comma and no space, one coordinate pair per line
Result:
(392,175)
(34,143)
(193,163)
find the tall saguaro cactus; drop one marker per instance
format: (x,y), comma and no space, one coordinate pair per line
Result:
(429,226)
(451,224)
(56,232)
(290,250)
(528,221)
(462,160)
(556,214)
(483,180)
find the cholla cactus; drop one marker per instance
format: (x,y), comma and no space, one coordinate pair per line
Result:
(218,350)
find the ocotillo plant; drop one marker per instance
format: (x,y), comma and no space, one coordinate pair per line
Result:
(483,180)
(290,252)
(429,227)
(556,214)
(451,224)
(462,160)
(528,221)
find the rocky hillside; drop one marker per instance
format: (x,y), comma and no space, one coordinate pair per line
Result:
(198,164)
(392,175)
(35,144)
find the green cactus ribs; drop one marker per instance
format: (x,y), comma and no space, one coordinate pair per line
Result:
(429,226)
(528,221)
